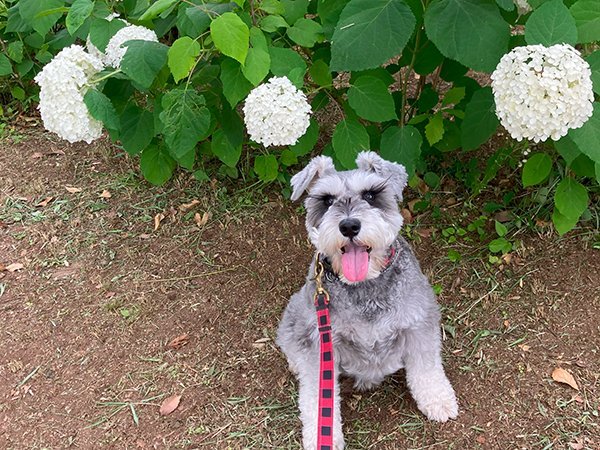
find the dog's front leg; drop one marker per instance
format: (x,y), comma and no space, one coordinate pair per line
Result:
(308,402)
(425,375)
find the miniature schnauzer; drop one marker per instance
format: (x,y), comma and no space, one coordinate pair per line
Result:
(384,314)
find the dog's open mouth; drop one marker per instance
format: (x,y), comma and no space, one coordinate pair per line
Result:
(355,261)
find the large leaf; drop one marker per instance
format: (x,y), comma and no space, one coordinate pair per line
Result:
(369,33)
(137,129)
(551,24)
(587,18)
(305,32)
(571,198)
(143,60)
(562,223)
(594,61)
(231,36)
(258,61)
(587,138)
(157,165)
(308,141)
(101,108)
(5,66)
(402,145)
(480,122)
(371,99)
(285,62)
(38,13)
(79,11)
(536,169)
(102,30)
(224,150)
(182,57)
(471,32)
(266,167)
(349,138)
(235,86)
(567,149)
(185,118)
(156,8)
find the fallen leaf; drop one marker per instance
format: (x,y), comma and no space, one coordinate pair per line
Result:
(37,155)
(45,202)
(411,204)
(503,216)
(73,190)
(157,220)
(189,205)
(169,405)
(561,375)
(14,267)
(406,214)
(424,232)
(105,194)
(179,341)
(201,220)
(507,258)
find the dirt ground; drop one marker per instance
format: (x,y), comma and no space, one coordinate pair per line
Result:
(129,294)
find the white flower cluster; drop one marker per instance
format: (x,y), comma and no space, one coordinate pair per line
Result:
(91,48)
(523,7)
(63,83)
(115,49)
(276,113)
(542,92)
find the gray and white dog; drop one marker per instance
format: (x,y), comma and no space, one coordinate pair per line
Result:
(384,314)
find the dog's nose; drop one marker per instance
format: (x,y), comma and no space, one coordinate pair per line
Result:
(349,227)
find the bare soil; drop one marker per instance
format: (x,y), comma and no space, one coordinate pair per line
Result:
(87,326)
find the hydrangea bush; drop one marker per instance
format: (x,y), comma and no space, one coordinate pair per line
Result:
(181,83)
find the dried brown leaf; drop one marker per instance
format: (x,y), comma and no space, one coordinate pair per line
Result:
(184,207)
(201,220)
(169,405)
(44,202)
(73,190)
(407,215)
(14,267)
(157,220)
(561,375)
(179,341)
(424,232)
(105,194)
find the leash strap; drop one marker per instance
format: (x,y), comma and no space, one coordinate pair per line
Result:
(326,365)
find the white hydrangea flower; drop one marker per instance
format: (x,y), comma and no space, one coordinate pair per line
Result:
(63,83)
(92,49)
(542,92)
(115,49)
(523,7)
(276,113)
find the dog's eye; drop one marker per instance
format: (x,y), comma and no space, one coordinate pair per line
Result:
(369,196)
(328,200)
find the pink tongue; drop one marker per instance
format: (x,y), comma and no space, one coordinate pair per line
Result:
(355,263)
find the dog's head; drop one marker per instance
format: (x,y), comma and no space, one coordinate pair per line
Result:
(352,216)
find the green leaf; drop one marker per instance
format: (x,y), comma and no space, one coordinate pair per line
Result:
(294,9)
(536,169)
(157,165)
(402,145)
(137,129)
(308,141)
(271,7)
(258,61)
(567,149)
(329,13)
(349,138)
(571,198)
(182,57)
(41,15)
(562,223)
(454,96)
(285,62)
(594,61)
(551,24)
(101,108)
(231,36)
(185,118)
(597,172)
(506,5)
(5,66)
(143,60)
(500,245)
(192,20)
(271,24)
(305,32)
(584,167)
(501,229)
(434,130)
(428,58)
(371,99)
(480,122)
(320,73)
(79,11)
(156,8)
(266,167)
(102,30)
(222,148)
(235,86)
(369,33)
(288,158)
(587,19)
(587,138)
(470,31)
(15,51)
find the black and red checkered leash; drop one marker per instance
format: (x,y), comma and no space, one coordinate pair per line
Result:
(326,369)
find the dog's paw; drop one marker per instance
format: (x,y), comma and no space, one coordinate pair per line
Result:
(439,407)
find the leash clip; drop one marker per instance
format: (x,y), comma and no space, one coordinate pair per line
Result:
(321,295)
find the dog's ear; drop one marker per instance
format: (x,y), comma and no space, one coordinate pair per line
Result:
(316,168)
(396,173)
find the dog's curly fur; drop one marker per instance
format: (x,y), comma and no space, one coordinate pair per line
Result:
(389,320)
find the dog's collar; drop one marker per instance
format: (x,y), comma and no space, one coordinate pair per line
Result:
(391,258)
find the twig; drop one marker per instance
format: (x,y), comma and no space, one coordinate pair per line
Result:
(200,275)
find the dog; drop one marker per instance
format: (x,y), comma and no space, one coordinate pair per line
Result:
(384,314)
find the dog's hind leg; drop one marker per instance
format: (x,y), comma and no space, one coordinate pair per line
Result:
(308,401)
(425,375)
